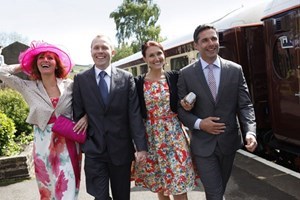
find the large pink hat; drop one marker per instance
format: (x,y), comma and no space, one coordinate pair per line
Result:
(36,47)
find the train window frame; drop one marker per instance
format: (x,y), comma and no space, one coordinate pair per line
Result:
(174,61)
(143,69)
(134,71)
(280,56)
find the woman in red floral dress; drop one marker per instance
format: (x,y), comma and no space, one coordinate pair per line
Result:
(168,169)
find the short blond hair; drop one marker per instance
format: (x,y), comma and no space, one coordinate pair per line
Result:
(103,36)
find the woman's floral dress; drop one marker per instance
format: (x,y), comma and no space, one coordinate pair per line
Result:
(169,167)
(53,165)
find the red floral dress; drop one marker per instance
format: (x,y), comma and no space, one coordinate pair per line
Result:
(169,167)
(53,167)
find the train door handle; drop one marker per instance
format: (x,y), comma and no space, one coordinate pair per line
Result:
(297,94)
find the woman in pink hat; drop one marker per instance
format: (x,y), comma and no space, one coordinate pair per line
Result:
(57,160)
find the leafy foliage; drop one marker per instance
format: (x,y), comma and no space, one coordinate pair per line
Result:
(136,19)
(77,69)
(24,139)
(15,107)
(7,129)
(122,52)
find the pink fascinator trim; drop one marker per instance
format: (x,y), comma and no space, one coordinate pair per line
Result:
(27,57)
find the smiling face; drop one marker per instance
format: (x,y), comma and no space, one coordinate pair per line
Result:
(208,45)
(102,51)
(154,57)
(46,62)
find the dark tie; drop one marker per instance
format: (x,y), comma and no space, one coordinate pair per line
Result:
(212,81)
(103,87)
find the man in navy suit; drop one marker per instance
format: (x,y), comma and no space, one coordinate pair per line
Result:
(115,129)
(221,96)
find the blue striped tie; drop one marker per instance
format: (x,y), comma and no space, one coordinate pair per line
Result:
(103,87)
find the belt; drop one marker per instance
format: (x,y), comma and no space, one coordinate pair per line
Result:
(163,117)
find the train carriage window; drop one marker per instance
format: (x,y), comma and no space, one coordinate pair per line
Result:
(283,58)
(144,69)
(134,71)
(179,62)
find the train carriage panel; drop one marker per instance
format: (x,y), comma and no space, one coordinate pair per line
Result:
(282,32)
(245,45)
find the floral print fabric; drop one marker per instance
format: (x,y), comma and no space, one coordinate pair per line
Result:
(53,168)
(169,167)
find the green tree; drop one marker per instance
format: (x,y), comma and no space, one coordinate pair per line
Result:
(123,51)
(7,129)
(14,106)
(135,22)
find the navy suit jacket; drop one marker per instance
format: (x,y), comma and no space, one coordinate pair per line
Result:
(112,129)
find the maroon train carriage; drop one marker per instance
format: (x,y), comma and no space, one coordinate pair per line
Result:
(282,42)
(265,40)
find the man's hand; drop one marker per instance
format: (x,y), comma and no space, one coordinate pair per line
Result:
(251,143)
(210,125)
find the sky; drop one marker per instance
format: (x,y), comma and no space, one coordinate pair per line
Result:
(72,24)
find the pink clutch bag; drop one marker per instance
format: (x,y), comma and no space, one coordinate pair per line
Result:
(64,126)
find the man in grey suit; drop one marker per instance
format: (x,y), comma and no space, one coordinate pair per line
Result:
(115,126)
(221,95)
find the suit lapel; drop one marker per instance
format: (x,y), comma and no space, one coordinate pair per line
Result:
(113,84)
(223,75)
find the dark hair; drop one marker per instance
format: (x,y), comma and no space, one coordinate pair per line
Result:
(201,28)
(60,71)
(150,43)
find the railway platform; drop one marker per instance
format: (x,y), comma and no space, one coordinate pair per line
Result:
(253,178)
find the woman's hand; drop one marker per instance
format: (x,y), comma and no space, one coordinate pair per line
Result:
(81,125)
(186,106)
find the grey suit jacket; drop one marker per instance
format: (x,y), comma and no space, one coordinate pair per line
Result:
(232,99)
(113,128)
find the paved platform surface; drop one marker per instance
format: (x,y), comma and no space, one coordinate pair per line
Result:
(252,178)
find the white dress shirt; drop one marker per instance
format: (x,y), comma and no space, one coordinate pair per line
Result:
(217,74)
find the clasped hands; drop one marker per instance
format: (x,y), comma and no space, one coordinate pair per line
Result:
(140,156)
